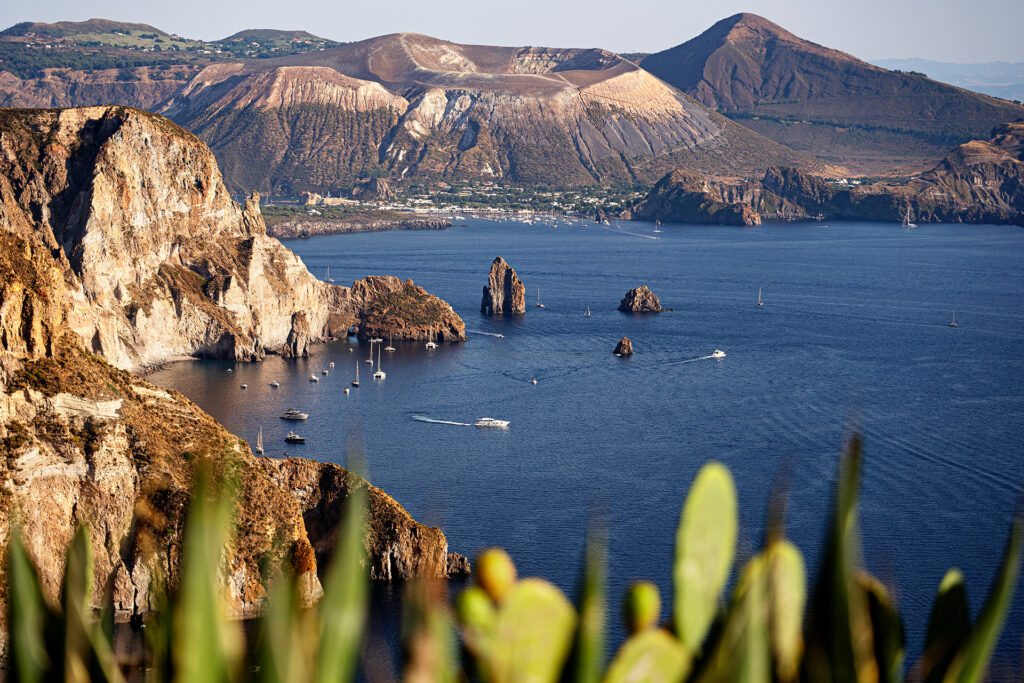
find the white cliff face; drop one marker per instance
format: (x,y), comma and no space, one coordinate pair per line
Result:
(162,264)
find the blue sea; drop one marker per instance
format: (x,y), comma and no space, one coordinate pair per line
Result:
(853,331)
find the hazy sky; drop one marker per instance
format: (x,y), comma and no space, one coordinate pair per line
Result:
(945,30)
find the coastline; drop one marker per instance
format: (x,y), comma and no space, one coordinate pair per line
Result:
(315,227)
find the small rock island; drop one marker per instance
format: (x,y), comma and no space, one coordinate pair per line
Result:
(504,291)
(640,300)
(624,347)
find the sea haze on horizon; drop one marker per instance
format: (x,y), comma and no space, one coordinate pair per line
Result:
(855,323)
(945,30)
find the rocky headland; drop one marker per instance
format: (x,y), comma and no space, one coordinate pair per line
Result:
(640,300)
(981,181)
(504,291)
(116,235)
(401,310)
(314,227)
(624,347)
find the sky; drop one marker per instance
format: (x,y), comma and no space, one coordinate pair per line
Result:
(942,30)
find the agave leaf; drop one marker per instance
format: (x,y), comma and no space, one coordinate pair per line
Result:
(705,545)
(532,633)
(28,616)
(588,655)
(743,652)
(972,660)
(651,656)
(343,608)
(206,643)
(285,645)
(838,638)
(787,595)
(887,629)
(88,654)
(430,644)
(949,624)
(159,633)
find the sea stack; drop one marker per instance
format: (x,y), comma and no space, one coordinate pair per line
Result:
(505,292)
(624,347)
(640,300)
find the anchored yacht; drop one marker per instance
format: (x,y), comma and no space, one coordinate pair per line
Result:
(294,438)
(293,414)
(719,353)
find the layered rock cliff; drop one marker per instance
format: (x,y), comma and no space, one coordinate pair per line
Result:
(981,181)
(86,443)
(504,291)
(160,262)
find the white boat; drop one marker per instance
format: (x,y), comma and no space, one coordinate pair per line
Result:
(533,381)
(329,278)
(259,442)
(389,347)
(431,344)
(229,370)
(294,438)
(491,422)
(907,223)
(587,314)
(952,323)
(539,304)
(376,340)
(355,382)
(380,373)
(657,226)
(370,359)
(346,390)
(332,363)
(314,378)
(294,414)
(760,301)
(323,372)
(719,353)
(245,386)
(275,384)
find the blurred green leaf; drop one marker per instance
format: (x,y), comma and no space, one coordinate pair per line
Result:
(651,656)
(430,642)
(287,638)
(28,615)
(787,596)
(705,545)
(588,654)
(742,651)
(532,633)
(887,628)
(477,617)
(949,624)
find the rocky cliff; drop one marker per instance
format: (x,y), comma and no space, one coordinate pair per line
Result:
(981,181)
(86,443)
(504,291)
(160,262)
(401,310)
(640,300)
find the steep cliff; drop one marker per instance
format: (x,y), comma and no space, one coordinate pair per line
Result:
(981,181)
(504,291)
(86,443)
(640,300)
(161,262)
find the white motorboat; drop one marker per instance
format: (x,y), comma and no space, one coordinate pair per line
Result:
(347,390)
(314,378)
(491,422)
(229,370)
(294,414)
(323,372)
(533,381)
(294,438)
(332,363)
(719,353)
(245,386)
(275,384)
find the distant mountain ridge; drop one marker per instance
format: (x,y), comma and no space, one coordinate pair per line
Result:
(998,79)
(824,101)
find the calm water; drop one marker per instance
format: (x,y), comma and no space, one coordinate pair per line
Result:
(855,320)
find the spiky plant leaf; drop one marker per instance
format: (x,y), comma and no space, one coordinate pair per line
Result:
(588,652)
(287,639)
(949,624)
(742,652)
(705,545)
(887,628)
(429,637)
(651,656)
(28,616)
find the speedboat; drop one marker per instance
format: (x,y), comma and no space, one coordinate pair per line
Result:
(245,386)
(314,378)
(719,353)
(323,372)
(294,438)
(293,414)
(533,381)
(491,422)
(275,384)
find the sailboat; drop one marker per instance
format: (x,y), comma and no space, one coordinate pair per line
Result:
(906,219)
(657,226)
(587,314)
(380,373)
(355,382)
(259,442)
(329,278)
(760,301)
(539,304)
(952,323)
(370,359)
(431,344)
(389,347)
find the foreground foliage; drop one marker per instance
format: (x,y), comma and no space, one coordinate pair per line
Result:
(513,629)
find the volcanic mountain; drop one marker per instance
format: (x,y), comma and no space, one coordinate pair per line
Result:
(411,105)
(824,101)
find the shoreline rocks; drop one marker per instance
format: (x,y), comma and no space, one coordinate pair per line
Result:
(640,300)
(624,347)
(504,291)
(314,227)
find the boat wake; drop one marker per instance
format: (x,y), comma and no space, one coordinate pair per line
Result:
(620,231)
(489,334)
(424,418)
(692,360)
